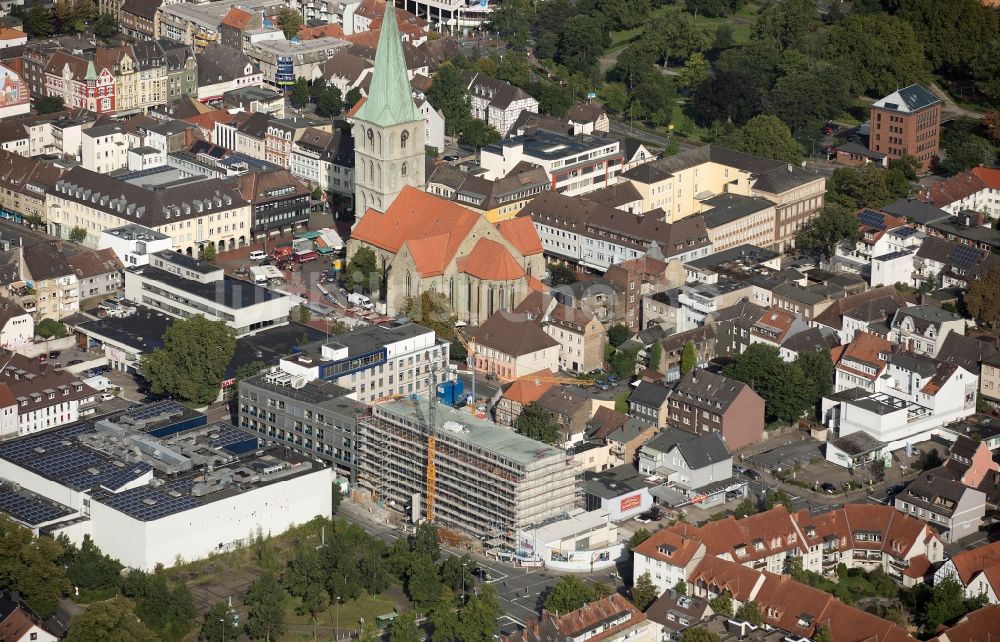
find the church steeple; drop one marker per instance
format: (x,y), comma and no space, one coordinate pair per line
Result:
(389,128)
(389,99)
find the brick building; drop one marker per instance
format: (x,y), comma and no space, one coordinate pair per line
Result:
(907,122)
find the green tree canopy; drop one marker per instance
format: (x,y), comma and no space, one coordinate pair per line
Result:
(766,136)
(638,537)
(477,620)
(50,328)
(981,298)
(534,422)
(726,97)
(404,629)
(300,93)
(49,104)
(835,224)
(964,150)
(218,625)
(750,612)
(106,26)
(265,602)
(330,102)
(450,94)
(723,604)
(695,71)
(290,22)
(432,310)
(362,270)
(513,20)
(881,53)
(479,133)
(954,33)
(698,634)
(109,621)
(92,569)
(561,274)
(568,594)
(782,385)
(644,592)
(618,334)
(689,358)
(38,23)
(423,584)
(32,565)
(192,361)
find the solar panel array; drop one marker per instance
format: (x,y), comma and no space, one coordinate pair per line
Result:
(964,256)
(872,219)
(148,504)
(29,510)
(156,409)
(232,439)
(905,232)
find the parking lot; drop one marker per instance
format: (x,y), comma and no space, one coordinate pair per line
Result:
(786,457)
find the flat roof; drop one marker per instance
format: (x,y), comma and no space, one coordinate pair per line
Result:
(227,292)
(552,146)
(613,482)
(134,232)
(481,433)
(362,341)
(142,331)
(726,208)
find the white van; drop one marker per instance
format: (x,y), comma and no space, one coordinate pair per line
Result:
(258,255)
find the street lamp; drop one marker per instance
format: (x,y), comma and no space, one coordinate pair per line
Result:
(222,622)
(336,631)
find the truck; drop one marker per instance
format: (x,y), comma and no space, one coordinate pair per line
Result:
(304,256)
(360,300)
(282,253)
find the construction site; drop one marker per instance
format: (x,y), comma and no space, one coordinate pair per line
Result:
(461,472)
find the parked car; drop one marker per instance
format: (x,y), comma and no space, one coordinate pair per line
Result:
(258,255)
(895,489)
(643,519)
(42,358)
(74,362)
(53,354)
(828,487)
(733,494)
(450,158)
(107,396)
(750,473)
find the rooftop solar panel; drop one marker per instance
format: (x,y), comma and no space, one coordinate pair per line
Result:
(871,218)
(905,231)
(29,510)
(964,256)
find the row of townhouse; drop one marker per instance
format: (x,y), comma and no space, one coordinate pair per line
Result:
(857,535)
(120,80)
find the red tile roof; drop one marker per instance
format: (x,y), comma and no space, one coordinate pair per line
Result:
(522,234)
(237,18)
(865,347)
(529,388)
(979,626)
(988,175)
(683,549)
(323,31)
(954,189)
(739,580)
(968,563)
(490,261)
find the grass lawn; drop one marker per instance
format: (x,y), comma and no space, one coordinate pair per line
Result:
(742,23)
(621,402)
(366,606)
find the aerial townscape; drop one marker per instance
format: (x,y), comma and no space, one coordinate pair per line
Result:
(500,321)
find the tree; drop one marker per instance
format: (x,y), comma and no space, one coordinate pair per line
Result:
(425,542)
(698,634)
(689,358)
(782,385)
(861,45)
(49,104)
(207,252)
(513,21)
(290,22)
(450,94)
(535,423)
(723,604)
(218,625)
(432,310)
(92,569)
(644,592)
(479,133)
(514,68)
(866,186)
(192,361)
(787,25)
(456,573)
(352,97)
(109,621)
(316,88)
(744,509)
(675,35)
(568,594)
(727,96)
(78,234)
(638,537)
(423,585)
(561,274)
(695,71)
(966,150)
(444,624)
(362,270)
(623,362)
(300,93)
(681,587)
(582,40)
(38,23)
(616,97)
(404,629)
(981,298)
(834,225)
(330,102)
(554,98)
(779,497)
(265,602)
(656,356)
(818,369)
(907,165)
(106,26)
(946,604)
(618,334)
(766,136)
(477,620)
(50,329)
(624,14)
(750,612)
(801,102)
(941,25)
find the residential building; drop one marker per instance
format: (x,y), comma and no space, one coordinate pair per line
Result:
(915,397)
(326,160)
(222,69)
(952,507)
(641,277)
(388,131)
(17,623)
(648,402)
(966,191)
(373,362)
(433,123)
(989,380)
(524,391)
(609,619)
(862,362)
(692,463)
(976,570)
(181,287)
(137,18)
(623,435)
(98,273)
(596,236)
(133,244)
(979,624)
(775,327)
(105,148)
(575,165)
(44,396)
(498,200)
(345,71)
(907,122)
(968,228)
(44,268)
(23,182)
(510,348)
(923,328)
(278,200)
(497,102)
(704,340)
(17,327)
(732,326)
(704,402)
(916,211)
(869,311)
(582,339)
(950,264)
(675,613)
(569,410)
(255,100)
(428,243)
(193,212)
(15,98)
(588,118)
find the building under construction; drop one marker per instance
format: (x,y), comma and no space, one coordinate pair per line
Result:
(463,473)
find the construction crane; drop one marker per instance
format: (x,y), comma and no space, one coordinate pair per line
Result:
(470,358)
(572,381)
(430,427)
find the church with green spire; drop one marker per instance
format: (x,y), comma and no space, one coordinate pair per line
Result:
(388,128)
